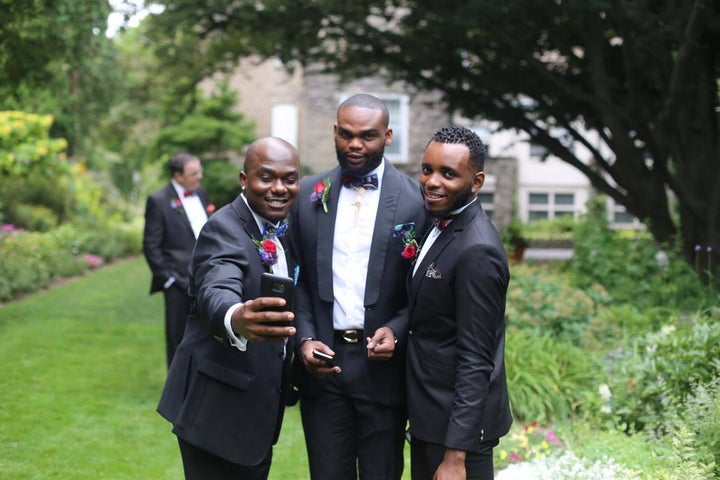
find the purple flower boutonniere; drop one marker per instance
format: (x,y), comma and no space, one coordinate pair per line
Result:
(321,193)
(406,233)
(176,205)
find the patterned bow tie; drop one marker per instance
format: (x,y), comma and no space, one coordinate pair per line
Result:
(188,193)
(270,230)
(442,222)
(369,182)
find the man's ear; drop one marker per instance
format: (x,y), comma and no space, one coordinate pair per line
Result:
(243,180)
(388,137)
(478,181)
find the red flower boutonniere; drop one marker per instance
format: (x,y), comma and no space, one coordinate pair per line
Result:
(406,233)
(176,205)
(321,193)
(210,209)
(267,251)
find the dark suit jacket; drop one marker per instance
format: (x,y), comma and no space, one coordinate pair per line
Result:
(218,398)
(168,238)
(312,232)
(457,391)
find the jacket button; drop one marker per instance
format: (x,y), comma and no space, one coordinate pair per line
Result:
(409,332)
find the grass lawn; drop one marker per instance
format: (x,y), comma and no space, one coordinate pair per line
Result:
(83,365)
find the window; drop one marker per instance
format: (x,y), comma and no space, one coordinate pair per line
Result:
(487,200)
(620,217)
(550,205)
(284,122)
(397,106)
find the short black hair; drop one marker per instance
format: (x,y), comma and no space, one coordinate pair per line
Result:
(463,136)
(177,162)
(365,100)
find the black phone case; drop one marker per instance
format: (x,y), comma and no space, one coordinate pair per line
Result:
(278,286)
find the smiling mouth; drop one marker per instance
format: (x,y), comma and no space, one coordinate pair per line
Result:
(433,196)
(277,202)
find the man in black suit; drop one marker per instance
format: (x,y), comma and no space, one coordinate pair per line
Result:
(174,216)
(351,299)
(228,383)
(457,392)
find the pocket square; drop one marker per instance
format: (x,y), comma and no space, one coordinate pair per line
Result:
(433,272)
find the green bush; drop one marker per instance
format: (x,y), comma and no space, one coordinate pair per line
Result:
(548,380)
(542,301)
(29,261)
(38,218)
(632,267)
(661,369)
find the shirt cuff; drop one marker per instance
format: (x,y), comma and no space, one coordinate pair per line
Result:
(236,341)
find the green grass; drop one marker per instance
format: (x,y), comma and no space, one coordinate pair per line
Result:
(82,369)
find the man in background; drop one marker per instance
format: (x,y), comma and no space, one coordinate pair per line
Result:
(174,216)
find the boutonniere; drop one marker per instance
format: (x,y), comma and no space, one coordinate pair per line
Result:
(406,233)
(176,205)
(321,193)
(267,250)
(210,209)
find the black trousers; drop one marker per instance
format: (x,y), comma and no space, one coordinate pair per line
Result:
(426,457)
(346,431)
(200,464)
(177,307)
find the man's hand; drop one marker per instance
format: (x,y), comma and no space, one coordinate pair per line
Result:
(317,367)
(252,321)
(452,466)
(381,346)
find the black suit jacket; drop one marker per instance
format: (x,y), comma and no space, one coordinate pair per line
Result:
(168,238)
(312,232)
(457,391)
(227,402)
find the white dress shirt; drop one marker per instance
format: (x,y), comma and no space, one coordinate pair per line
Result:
(354,226)
(279,268)
(193,208)
(434,234)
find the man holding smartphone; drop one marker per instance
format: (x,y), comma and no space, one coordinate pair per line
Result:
(229,381)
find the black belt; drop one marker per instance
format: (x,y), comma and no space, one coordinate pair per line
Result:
(349,336)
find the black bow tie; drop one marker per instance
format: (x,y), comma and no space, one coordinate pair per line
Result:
(369,181)
(442,222)
(270,230)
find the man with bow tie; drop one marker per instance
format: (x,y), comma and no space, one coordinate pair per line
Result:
(174,216)
(229,382)
(457,393)
(351,300)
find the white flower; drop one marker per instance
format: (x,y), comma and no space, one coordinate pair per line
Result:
(606,409)
(605,393)
(667,329)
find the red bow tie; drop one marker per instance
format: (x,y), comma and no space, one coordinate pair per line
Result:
(442,222)
(188,193)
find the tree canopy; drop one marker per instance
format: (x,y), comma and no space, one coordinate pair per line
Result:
(635,83)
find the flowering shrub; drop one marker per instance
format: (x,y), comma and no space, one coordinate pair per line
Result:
(532,442)
(567,466)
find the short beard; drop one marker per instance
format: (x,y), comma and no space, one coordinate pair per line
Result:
(459,202)
(373,161)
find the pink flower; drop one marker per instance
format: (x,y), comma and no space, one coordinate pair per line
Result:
(552,438)
(210,208)
(514,457)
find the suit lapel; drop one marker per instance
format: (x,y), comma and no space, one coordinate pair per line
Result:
(324,237)
(384,223)
(440,245)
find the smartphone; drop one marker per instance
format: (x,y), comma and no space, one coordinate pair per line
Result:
(278,286)
(328,359)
